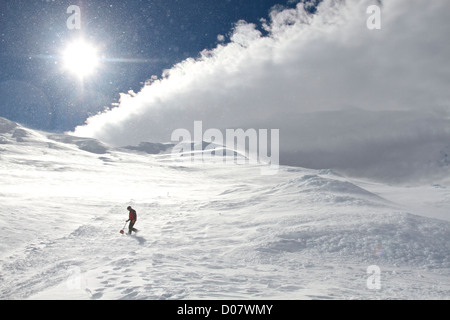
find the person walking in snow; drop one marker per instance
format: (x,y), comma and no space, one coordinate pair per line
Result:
(132,217)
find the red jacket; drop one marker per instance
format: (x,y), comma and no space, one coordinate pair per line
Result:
(133,215)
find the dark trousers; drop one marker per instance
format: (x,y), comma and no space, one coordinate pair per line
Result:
(131,225)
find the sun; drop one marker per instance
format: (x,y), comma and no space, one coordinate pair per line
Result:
(80,58)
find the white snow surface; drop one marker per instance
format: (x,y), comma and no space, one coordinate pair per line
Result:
(208,230)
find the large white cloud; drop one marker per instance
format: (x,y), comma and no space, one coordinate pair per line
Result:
(372,102)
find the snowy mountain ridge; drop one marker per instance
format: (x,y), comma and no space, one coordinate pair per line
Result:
(208,230)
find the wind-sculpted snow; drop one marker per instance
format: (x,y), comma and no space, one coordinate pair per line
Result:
(11,131)
(6,126)
(401,239)
(150,148)
(86,144)
(207,230)
(325,189)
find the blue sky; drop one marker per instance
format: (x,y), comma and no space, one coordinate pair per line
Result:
(155,34)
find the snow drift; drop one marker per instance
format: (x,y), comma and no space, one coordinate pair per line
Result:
(207,230)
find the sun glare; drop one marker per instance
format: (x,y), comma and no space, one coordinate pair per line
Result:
(80,58)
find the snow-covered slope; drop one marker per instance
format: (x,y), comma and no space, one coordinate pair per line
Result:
(207,230)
